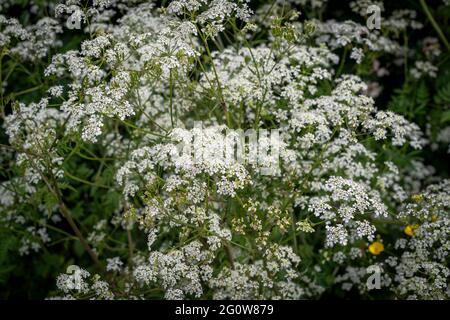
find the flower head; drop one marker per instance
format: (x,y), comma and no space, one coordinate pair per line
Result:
(409,229)
(376,248)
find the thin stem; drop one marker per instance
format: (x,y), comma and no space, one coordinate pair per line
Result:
(224,105)
(27,90)
(140,129)
(434,24)
(294,232)
(85,181)
(341,65)
(171,98)
(229,254)
(406,55)
(1,81)
(67,215)
(54,189)
(130,248)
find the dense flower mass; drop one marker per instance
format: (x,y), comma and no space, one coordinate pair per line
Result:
(216,149)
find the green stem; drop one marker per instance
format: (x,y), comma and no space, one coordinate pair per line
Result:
(85,181)
(27,90)
(406,55)
(341,65)
(171,99)
(434,24)
(219,86)
(140,129)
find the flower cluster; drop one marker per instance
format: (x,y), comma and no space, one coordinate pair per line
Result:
(308,169)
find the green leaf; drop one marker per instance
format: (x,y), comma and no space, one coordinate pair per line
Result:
(445,116)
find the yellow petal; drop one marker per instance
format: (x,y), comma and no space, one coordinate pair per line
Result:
(376,248)
(409,229)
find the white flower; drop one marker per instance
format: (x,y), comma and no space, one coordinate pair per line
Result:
(357,54)
(114,264)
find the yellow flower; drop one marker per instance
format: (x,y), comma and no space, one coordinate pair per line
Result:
(376,248)
(417,198)
(409,229)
